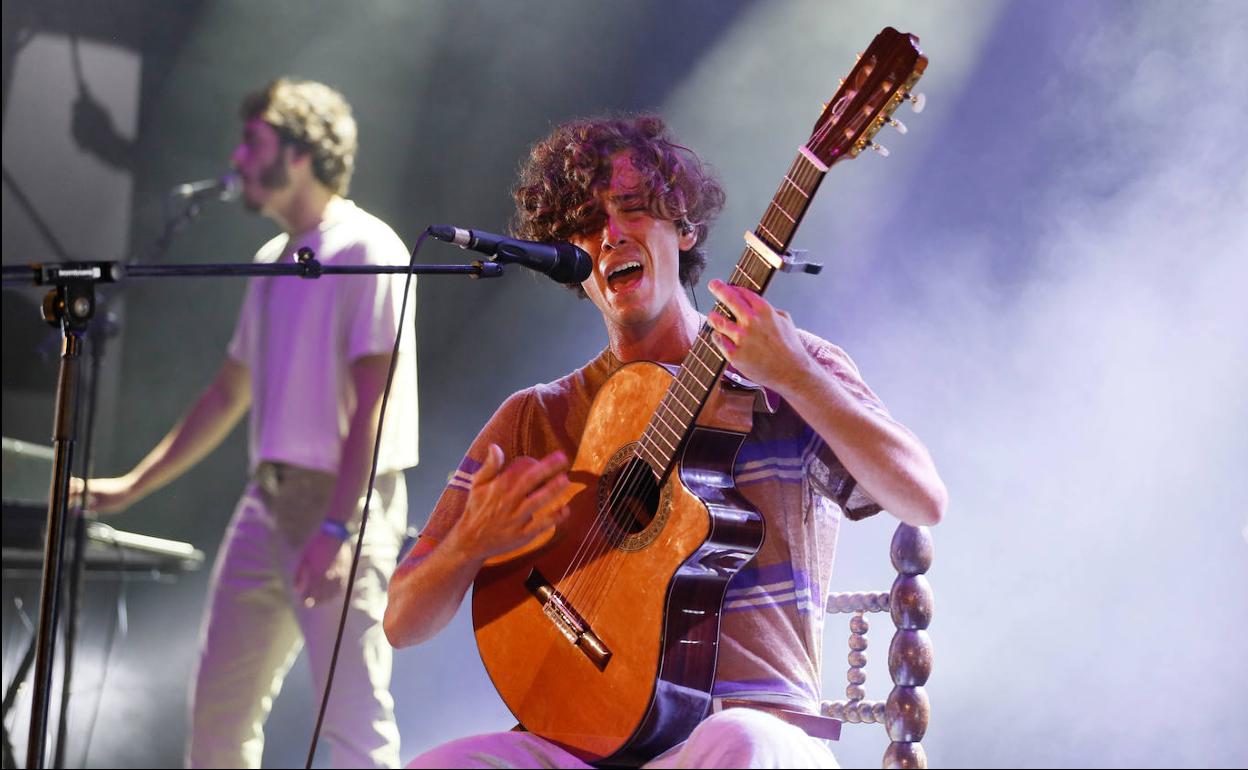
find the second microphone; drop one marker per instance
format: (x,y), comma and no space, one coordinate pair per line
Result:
(560,260)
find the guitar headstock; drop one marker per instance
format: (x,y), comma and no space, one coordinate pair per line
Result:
(883,78)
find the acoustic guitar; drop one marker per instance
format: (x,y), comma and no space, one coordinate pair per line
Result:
(603,638)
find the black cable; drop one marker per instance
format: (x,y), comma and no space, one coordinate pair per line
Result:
(14,688)
(368,499)
(120,621)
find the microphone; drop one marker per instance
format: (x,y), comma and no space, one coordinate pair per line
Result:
(560,260)
(226,187)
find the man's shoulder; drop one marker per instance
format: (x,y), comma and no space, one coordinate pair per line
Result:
(547,395)
(580,384)
(272,249)
(362,237)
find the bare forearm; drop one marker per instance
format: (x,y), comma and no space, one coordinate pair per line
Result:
(886,459)
(425,593)
(356,462)
(215,413)
(504,510)
(368,376)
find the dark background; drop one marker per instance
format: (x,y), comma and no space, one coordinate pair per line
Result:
(1039,281)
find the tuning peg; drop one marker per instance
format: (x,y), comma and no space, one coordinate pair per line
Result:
(881,149)
(897,124)
(917,102)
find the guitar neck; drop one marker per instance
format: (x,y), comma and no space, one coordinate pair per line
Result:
(701,368)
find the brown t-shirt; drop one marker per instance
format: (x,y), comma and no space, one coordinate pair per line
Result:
(771,635)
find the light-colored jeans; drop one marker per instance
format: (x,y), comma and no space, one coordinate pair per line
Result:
(255,626)
(738,737)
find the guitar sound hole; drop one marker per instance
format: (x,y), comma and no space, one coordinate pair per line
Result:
(635,506)
(634,498)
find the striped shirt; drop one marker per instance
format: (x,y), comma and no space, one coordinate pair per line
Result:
(772,623)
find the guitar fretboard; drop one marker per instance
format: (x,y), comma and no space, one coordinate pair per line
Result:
(701,368)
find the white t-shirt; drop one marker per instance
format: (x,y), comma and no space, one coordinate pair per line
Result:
(298,338)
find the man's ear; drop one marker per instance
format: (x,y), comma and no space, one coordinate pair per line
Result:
(295,159)
(686,239)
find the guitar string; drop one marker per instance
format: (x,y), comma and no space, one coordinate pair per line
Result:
(613,564)
(609,568)
(599,574)
(812,177)
(627,492)
(592,575)
(803,174)
(702,345)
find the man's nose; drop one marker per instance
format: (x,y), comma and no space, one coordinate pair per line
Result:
(612,234)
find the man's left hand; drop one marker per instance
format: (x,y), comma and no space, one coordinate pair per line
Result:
(323,568)
(762,343)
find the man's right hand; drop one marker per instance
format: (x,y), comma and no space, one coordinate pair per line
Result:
(510,506)
(107,495)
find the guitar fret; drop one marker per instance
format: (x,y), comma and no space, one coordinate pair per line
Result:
(747,277)
(652,449)
(703,385)
(756,258)
(763,272)
(671,446)
(796,186)
(785,196)
(676,399)
(705,342)
(766,223)
(664,405)
(690,392)
(695,389)
(780,208)
(655,463)
(703,363)
(716,358)
(759,262)
(678,426)
(772,235)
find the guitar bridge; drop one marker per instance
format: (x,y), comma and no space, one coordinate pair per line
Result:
(567,621)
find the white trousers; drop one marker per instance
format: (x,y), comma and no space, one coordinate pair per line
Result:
(738,737)
(255,626)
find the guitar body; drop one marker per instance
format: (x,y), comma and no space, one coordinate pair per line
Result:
(605,640)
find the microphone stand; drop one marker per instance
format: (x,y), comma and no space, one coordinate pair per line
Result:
(172,226)
(70,305)
(174,223)
(103,327)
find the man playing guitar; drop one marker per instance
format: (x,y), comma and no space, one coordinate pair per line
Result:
(821,445)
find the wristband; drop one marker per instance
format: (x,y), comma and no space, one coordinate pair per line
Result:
(335,529)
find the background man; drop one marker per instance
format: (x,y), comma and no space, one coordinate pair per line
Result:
(310,359)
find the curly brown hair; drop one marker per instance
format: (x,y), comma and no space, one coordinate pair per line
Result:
(557,193)
(315,119)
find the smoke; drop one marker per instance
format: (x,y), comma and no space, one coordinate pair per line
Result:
(1045,281)
(1078,366)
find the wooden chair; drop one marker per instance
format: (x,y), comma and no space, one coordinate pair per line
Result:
(906,712)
